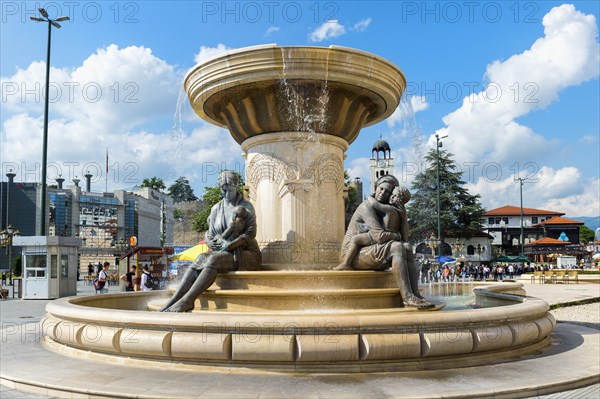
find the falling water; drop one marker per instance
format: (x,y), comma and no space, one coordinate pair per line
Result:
(177,134)
(410,129)
(305,104)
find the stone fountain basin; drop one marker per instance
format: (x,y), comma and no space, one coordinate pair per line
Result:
(309,341)
(242,89)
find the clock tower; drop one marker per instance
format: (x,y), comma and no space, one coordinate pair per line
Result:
(381,162)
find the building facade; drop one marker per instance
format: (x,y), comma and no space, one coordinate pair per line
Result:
(104,221)
(544,231)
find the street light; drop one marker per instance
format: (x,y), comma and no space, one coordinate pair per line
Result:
(458,246)
(432,242)
(51,23)
(438,144)
(520,179)
(479,250)
(6,237)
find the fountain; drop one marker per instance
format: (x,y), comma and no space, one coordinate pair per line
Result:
(295,110)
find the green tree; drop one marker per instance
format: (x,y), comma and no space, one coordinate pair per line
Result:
(460,212)
(181,191)
(586,234)
(353,201)
(155,182)
(211,196)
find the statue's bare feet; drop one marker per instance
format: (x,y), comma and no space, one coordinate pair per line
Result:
(415,302)
(342,266)
(179,307)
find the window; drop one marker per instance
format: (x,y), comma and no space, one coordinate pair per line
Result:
(470,250)
(64,265)
(505,220)
(490,220)
(534,219)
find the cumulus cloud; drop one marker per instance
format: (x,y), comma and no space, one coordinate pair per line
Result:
(271,30)
(113,87)
(588,139)
(208,52)
(585,202)
(363,24)
(485,125)
(110,101)
(327,30)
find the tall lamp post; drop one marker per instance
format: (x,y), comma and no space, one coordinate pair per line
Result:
(7,236)
(521,195)
(438,145)
(51,23)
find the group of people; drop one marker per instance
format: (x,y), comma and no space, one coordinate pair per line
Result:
(129,279)
(456,271)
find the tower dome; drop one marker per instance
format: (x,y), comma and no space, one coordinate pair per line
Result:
(381,145)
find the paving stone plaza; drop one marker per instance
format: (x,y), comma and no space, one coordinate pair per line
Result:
(102,378)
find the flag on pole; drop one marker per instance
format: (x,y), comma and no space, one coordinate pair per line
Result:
(106,178)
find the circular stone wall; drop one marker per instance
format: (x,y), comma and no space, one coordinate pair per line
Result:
(329,341)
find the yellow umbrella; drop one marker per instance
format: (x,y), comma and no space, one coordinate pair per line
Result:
(191,253)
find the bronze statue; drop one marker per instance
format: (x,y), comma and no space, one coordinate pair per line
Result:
(231,236)
(377,239)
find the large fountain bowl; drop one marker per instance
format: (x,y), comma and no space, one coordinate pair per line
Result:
(333,90)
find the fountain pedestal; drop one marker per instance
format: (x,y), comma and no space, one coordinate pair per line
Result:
(296,183)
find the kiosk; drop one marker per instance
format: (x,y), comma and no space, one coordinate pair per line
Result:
(49,266)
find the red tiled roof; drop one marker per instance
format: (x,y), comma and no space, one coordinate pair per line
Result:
(558,220)
(548,241)
(510,210)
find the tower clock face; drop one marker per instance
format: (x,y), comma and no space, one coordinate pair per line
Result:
(381,164)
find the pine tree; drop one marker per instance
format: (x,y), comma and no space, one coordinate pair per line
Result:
(181,191)
(460,212)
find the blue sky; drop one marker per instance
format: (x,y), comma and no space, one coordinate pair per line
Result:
(513,84)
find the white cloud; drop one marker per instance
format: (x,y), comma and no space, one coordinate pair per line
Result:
(585,203)
(271,30)
(328,30)
(588,139)
(363,24)
(208,52)
(139,94)
(485,126)
(563,190)
(416,104)
(115,88)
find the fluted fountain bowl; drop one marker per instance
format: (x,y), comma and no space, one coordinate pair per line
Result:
(265,89)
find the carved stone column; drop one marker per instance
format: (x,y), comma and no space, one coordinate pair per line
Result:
(296,182)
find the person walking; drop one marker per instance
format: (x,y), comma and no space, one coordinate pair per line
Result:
(102,283)
(146,279)
(128,278)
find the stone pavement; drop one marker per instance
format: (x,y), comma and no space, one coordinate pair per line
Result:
(23,313)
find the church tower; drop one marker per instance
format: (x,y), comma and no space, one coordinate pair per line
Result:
(381,162)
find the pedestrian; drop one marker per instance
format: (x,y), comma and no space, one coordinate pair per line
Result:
(511,271)
(146,279)
(90,270)
(128,278)
(102,284)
